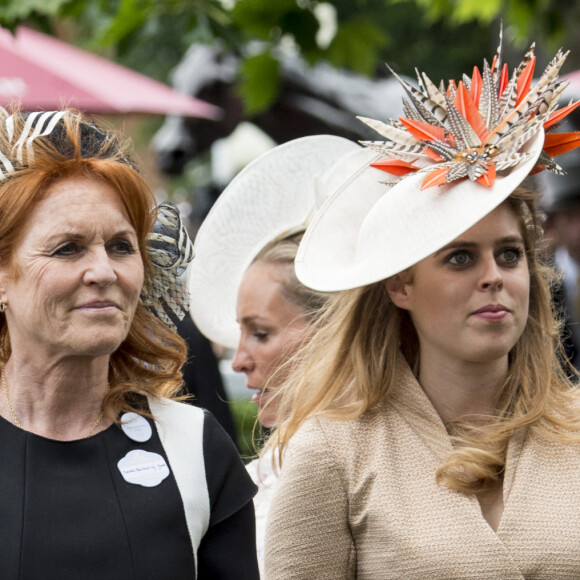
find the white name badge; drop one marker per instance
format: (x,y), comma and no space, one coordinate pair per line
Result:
(136,427)
(143,468)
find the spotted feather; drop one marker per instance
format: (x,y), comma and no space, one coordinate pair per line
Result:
(460,128)
(416,95)
(488,99)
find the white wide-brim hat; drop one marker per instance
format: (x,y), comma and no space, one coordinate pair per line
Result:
(368,231)
(455,155)
(275,194)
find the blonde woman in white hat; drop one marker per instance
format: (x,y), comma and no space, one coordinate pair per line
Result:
(429,429)
(246,295)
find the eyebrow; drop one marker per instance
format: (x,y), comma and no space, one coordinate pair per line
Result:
(460,244)
(76,235)
(252,318)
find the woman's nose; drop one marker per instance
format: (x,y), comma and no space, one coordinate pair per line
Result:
(100,270)
(492,275)
(242,361)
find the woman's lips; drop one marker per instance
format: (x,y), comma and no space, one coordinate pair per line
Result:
(492,312)
(97,305)
(259,396)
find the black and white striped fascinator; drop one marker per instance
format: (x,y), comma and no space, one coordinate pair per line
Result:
(170,250)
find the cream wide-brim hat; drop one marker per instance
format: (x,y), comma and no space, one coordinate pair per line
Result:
(368,231)
(275,194)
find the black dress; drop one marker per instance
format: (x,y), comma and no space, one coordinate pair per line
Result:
(68,512)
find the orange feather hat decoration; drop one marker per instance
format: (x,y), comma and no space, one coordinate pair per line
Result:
(476,127)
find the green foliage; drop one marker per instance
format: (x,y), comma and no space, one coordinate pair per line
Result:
(468,10)
(260,19)
(522,11)
(244,414)
(440,36)
(441,48)
(546,19)
(459,11)
(12,12)
(130,16)
(302,26)
(271,21)
(357,45)
(259,81)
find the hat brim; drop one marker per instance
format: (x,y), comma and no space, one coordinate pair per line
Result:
(271,196)
(367,231)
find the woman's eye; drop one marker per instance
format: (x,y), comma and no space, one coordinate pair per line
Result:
(68,249)
(122,247)
(511,255)
(260,336)
(459,258)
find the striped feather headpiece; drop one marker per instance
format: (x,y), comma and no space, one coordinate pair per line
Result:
(170,251)
(478,126)
(38,124)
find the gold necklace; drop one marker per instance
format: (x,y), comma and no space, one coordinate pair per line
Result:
(15,418)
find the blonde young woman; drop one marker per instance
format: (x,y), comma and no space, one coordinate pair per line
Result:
(246,293)
(428,431)
(274,311)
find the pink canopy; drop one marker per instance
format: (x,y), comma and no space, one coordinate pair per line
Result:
(43,73)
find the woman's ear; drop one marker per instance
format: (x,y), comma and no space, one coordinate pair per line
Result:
(5,277)
(398,291)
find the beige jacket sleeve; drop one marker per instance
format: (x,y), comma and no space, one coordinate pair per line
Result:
(307,534)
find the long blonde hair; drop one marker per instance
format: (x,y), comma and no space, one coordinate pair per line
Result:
(351,362)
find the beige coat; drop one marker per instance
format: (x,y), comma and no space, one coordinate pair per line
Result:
(358,499)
